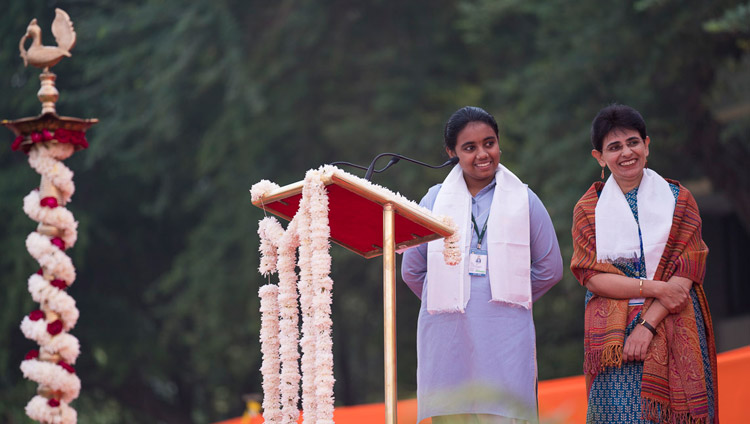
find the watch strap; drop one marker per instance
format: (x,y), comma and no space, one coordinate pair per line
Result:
(648,326)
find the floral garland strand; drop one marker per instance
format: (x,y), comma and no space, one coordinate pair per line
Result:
(270,233)
(269,346)
(308,341)
(46,159)
(51,366)
(320,232)
(452,251)
(288,325)
(261,188)
(310,231)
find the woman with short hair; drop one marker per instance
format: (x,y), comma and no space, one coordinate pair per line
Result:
(649,352)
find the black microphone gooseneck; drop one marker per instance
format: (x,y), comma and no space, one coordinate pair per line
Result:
(396,157)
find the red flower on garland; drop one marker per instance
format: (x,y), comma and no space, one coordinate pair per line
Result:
(60,284)
(62,135)
(55,327)
(49,201)
(16,143)
(32,354)
(79,139)
(36,315)
(40,272)
(67,367)
(76,138)
(57,241)
(53,403)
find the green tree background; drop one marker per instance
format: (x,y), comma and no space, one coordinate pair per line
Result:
(199,100)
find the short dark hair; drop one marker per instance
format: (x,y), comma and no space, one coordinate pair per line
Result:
(463,117)
(613,117)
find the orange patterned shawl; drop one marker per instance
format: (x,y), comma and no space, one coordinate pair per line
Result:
(673,388)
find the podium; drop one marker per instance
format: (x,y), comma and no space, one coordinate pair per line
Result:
(370,221)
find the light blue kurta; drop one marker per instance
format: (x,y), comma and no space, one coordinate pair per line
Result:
(484,360)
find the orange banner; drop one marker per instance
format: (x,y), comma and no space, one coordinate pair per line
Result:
(563,400)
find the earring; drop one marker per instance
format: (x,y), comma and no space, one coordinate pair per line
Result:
(602,172)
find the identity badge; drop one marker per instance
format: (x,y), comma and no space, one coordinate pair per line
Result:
(478,262)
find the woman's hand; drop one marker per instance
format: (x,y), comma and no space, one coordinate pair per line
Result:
(673,296)
(636,345)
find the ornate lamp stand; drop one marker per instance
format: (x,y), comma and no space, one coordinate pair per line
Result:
(48,139)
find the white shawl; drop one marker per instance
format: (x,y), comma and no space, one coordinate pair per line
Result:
(616,228)
(508,248)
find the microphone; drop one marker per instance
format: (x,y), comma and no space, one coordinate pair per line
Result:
(395,158)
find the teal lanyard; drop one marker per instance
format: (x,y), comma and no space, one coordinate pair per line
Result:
(480,236)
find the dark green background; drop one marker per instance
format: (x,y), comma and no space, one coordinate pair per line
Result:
(199,100)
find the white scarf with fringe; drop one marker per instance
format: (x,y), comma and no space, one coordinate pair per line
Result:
(617,231)
(507,243)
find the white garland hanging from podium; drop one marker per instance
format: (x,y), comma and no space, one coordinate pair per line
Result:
(310,292)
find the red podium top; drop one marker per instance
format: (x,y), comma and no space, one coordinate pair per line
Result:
(356,214)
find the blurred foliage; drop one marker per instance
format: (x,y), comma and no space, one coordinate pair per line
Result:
(735,19)
(199,100)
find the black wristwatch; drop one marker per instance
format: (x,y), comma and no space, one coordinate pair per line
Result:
(648,326)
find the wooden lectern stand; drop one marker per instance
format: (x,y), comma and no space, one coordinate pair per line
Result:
(370,222)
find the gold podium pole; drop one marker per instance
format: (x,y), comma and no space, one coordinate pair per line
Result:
(389,312)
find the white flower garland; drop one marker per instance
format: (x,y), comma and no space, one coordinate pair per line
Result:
(56,300)
(50,257)
(47,289)
(269,346)
(261,188)
(288,322)
(36,330)
(319,232)
(270,232)
(57,217)
(64,344)
(45,160)
(309,336)
(310,231)
(38,409)
(54,377)
(452,251)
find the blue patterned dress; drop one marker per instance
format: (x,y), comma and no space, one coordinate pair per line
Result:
(615,395)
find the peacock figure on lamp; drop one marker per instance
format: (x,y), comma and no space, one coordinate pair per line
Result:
(48,139)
